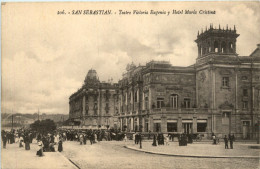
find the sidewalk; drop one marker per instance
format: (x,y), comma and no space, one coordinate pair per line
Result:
(197,150)
(14,157)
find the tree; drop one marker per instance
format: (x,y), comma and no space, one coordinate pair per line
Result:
(43,126)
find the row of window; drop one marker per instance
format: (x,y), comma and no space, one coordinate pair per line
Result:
(186,127)
(173,102)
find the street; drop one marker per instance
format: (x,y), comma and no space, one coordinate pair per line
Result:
(114,155)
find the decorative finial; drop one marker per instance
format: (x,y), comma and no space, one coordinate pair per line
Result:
(219,27)
(206,28)
(234,27)
(227,26)
(202,30)
(198,33)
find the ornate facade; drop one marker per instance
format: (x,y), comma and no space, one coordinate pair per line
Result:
(219,94)
(95,103)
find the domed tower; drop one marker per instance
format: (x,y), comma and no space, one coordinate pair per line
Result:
(216,42)
(92,77)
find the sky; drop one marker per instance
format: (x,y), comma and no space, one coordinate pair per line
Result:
(46,57)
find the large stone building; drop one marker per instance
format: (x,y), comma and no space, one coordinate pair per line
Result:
(95,104)
(219,94)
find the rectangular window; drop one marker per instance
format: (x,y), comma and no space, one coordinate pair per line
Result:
(186,103)
(245,92)
(157,127)
(171,127)
(225,81)
(146,103)
(245,104)
(201,127)
(135,98)
(225,118)
(174,101)
(160,102)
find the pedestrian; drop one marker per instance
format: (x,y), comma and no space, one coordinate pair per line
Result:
(21,141)
(154,140)
(231,139)
(166,140)
(214,139)
(81,139)
(60,148)
(85,139)
(27,142)
(4,138)
(149,134)
(125,138)
(40,150)
(226,142)
(134,137)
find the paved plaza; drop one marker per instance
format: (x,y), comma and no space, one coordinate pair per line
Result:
(208,150)
(113,154)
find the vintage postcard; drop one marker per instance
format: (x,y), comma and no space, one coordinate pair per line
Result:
(130,85)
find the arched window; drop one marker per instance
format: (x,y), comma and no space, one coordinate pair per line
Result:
(231,47)
(223,47)
(216,46)
(209,47)
(204,50)
(200,51)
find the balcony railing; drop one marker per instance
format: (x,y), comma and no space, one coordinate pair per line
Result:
(180,110)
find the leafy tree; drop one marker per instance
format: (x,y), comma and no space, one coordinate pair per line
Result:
(43,126)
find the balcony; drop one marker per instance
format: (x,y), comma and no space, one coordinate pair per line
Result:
(180,110)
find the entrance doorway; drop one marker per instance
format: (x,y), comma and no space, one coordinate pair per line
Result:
(226,123)
(246,133)
(187,127)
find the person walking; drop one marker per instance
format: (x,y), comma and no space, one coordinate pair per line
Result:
(125,138)
(166,140)
(60,148)
(154,140)
(21,141)
(231,140)
(40,149)
(4,138)
(84,139)
(27,142)
(226,142)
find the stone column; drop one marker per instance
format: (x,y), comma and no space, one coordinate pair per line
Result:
(143,123)
(83,109)
(138,128)
(164,124)
(151,124)
(121,123)
(132,123)
(194,125)
(126,123)
(179,125)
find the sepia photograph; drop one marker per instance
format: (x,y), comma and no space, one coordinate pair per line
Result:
(127,85)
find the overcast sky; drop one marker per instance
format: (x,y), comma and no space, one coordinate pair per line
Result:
(45,57)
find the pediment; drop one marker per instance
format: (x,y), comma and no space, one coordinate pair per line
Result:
(226,105)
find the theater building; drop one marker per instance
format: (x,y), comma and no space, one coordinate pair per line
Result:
(218,94)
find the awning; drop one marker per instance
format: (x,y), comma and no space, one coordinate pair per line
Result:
(186,121)
(172,121)
(201,121)
(157,121)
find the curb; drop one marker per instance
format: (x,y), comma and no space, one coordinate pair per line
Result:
(192,156)
(70,161)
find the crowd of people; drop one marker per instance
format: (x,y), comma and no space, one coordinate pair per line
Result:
(49,142)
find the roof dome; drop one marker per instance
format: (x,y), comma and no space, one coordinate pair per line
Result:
(91,77)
